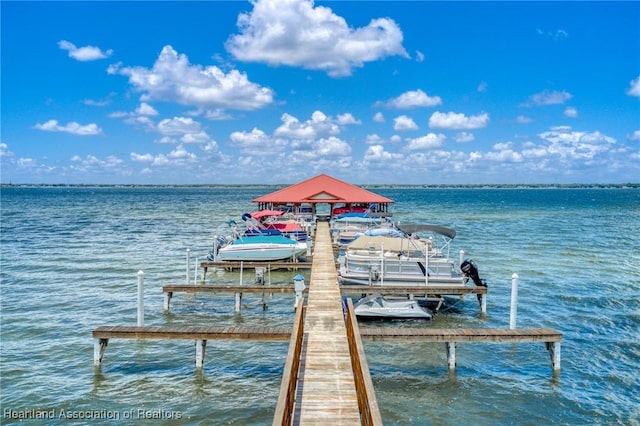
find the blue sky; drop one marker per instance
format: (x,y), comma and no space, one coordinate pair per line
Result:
(278,91)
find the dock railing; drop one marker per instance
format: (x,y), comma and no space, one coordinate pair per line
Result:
(286,398)
(367,402)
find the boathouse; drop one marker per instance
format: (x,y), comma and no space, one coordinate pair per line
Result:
(305,197)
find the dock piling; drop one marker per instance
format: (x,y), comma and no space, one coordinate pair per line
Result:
(188,266)
(201,345)
(514,302)
(140,298)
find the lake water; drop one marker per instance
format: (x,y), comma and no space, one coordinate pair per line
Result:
(70,258)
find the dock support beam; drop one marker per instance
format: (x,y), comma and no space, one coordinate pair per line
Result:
(482,298)
(451,355)
(554,352)
(167,300)
(98,350)
(238,302)
(201,346)
(140,298)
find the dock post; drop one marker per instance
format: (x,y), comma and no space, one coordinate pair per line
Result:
(98,350)
(483,303)
(201,346)
(167,300)
(238,302)
(140,299)
(514,302)
(188,265)
(298,283)
(554,351)
(451,354)
(259,276)
(461,257)
(195,272)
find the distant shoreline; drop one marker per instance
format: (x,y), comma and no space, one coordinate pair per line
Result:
(390,186)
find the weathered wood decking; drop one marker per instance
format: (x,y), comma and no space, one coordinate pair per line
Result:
(326,392)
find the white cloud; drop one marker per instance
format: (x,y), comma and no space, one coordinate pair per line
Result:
(635,136)
(571,112)
(186,129)
(555,35)
(566,143)
(482,87)
(378,117)
(404,123)
(429,141)
(455,121)
(180,153)
(347,118)
(295,33)
(257,141)
(86,53)
(413,99)
(141,158)
(93,163)
(318,126)
(178,125)
(377,153)
(464,137)
(548,97)
(146,109)
(323,148)
(373,139)
(174,79)
(522,119)
(419,56)
(72,127)
(4,150)
(179,156)
(504,153)
(634,87)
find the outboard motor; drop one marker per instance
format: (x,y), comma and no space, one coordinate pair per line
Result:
(471,270)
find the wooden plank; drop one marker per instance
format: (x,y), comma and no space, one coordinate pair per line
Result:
(195,333)
(326,392)
(252,265)
(461,335)
(388,289)
(177,288)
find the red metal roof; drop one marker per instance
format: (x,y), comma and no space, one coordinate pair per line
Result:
(322,189)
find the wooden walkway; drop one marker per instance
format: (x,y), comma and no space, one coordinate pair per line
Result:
(326,378)
(326,392)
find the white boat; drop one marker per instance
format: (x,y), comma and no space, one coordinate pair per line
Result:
(380,307)
(405,261)
(346,227)
(261,248)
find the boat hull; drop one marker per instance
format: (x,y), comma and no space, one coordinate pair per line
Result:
(258,249)
(377,307)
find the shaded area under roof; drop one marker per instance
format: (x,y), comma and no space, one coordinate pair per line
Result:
(323,189)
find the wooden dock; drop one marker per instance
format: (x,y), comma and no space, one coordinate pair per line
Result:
(326,378)
(326,391)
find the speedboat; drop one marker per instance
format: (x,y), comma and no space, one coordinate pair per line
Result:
(261,248)
(380,307)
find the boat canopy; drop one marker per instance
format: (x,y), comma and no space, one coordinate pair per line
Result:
(411,228)
(265,213)
(394,244)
